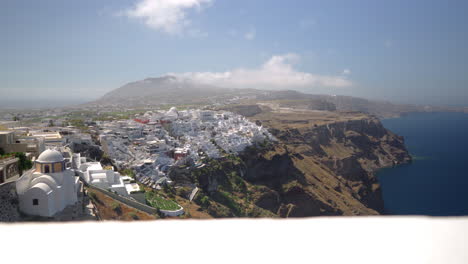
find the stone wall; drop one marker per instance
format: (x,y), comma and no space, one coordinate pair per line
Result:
(173,213)
(9,203)
(126,201)
(136,204)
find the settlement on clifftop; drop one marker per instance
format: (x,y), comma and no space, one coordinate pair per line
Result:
(157,140)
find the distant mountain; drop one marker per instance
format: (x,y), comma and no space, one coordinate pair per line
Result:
(171,90)
(166,90)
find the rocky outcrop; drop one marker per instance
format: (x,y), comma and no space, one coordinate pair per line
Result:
(89,151)
(327,169)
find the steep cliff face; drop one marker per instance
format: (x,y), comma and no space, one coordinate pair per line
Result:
(322,164)
(326,169)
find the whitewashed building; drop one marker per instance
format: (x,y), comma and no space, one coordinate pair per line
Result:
(93,173)
(49,188)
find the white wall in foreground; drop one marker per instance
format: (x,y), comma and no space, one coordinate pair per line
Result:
(313,240)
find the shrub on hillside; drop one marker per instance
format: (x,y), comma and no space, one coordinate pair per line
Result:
(116,207)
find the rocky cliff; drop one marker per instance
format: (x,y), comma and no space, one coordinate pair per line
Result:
(326,169)
(322,164)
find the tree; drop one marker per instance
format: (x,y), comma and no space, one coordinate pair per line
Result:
(106,160)
(205,202)
(116,207)
(128,172)
(24,163)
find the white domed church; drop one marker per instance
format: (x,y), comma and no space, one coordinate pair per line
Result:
(49,188)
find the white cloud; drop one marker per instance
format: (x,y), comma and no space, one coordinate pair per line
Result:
(346,72)
(276,73)
(250,35)
(169,16)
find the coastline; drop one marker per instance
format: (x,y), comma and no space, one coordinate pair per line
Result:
(433,183)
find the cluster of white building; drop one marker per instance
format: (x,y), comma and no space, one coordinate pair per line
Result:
(149,145)
(53,184)
(34,140)
(158,140)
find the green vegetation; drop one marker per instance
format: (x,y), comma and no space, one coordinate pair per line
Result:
(232,192)
(116,115)
(156,201)
(238,184)
(128,172)
(106,160)
(184,191)
(116,207)
(205,201)
(202,199)
(92,195)
(78,123)
(224,192)
(169,190)
(23,164)
(133,215)
(227,200)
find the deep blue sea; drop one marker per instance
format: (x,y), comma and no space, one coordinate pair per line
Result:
(436,183)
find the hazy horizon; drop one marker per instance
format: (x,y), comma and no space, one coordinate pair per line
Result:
(44,102)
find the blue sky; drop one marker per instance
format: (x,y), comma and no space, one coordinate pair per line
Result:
(404,51)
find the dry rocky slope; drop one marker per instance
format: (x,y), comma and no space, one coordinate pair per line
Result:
(322,164)
(326,163)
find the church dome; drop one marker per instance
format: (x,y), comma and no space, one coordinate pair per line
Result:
(50,156)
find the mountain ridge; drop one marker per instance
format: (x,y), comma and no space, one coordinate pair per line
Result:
(169,89)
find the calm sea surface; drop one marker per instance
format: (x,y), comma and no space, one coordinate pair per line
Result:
(436,183)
